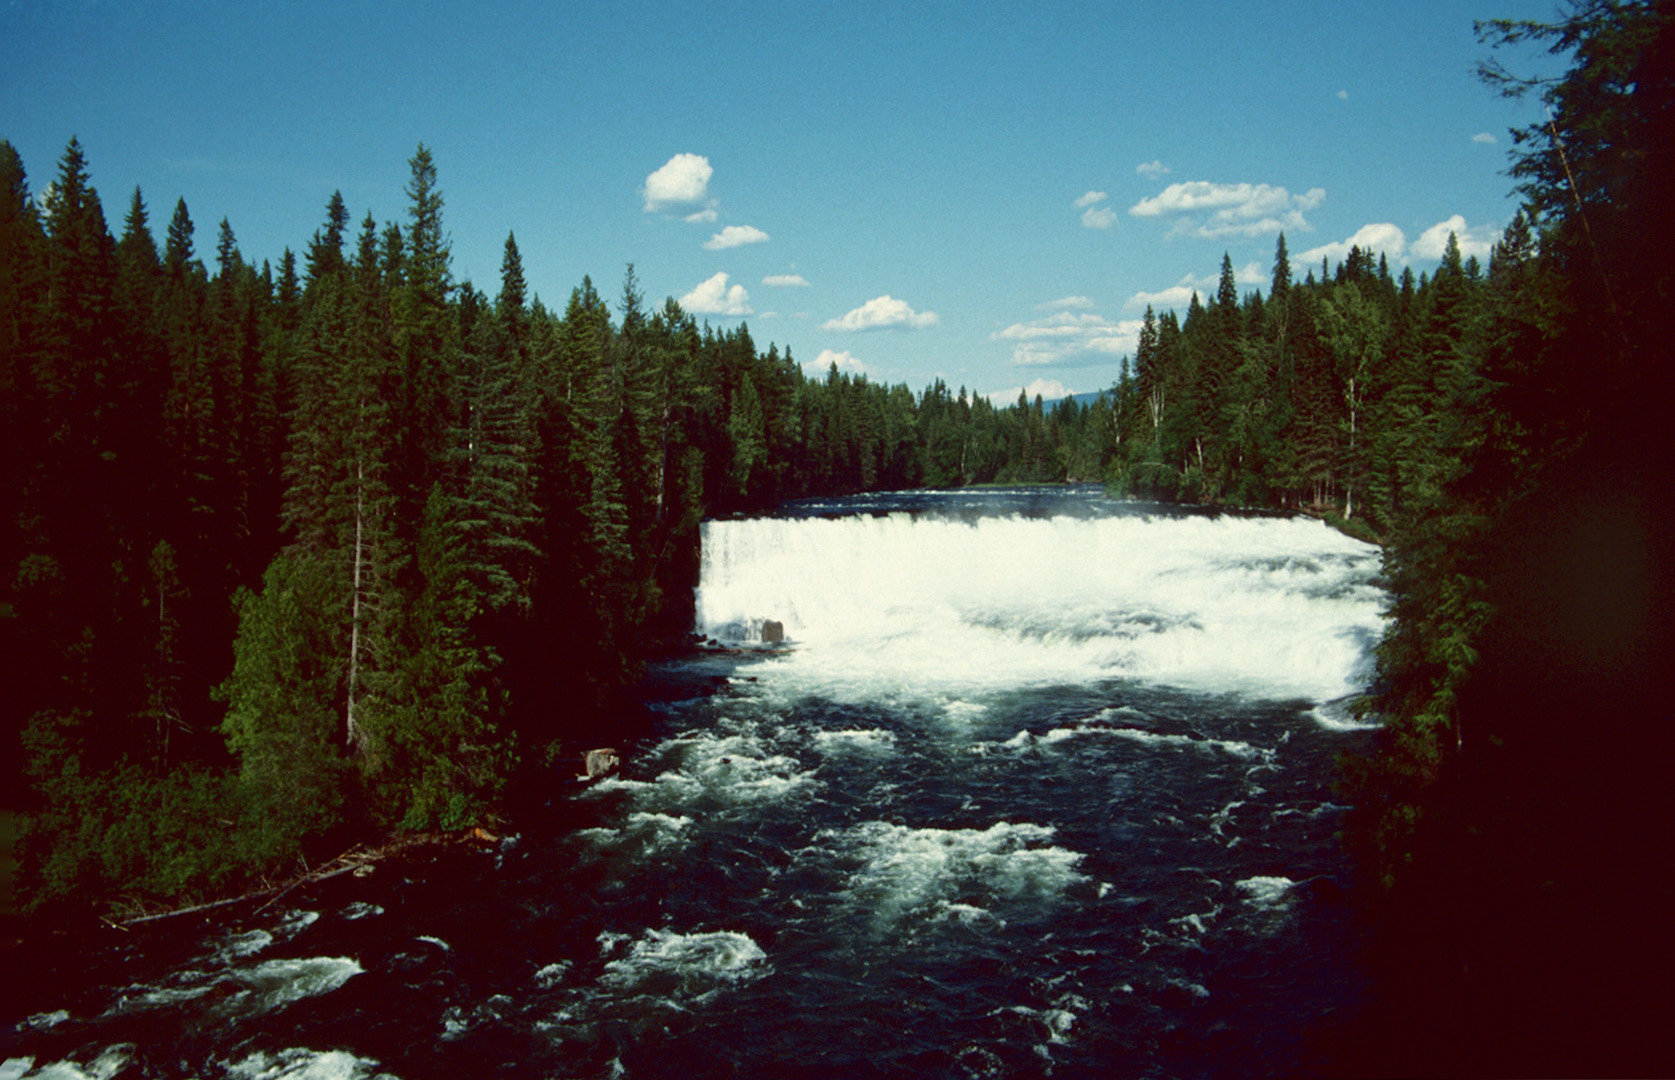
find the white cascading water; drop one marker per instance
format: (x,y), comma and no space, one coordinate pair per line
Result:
(1266,607)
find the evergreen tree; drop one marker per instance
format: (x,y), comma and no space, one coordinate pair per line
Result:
(493,460)
(282,693)
(422,325)
(325,248)
(509,306)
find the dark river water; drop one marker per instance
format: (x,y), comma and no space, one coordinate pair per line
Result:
(1035,786)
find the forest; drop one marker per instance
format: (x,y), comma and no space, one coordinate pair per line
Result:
(340,545)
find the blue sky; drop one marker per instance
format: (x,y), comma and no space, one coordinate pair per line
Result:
(985,193)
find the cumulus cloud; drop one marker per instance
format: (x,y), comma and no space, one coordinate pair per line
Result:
(1381,236)
(1232,209)
(882,313)
(681,187)
(1485,138)
(716,297)
(735,236)
(1478,240)
(1095,216)
(1343,95)
(784,280)
(845,362)
(1049,389)
(1068,336)
(1098,217)
(1151,170)
(1178,295)
(1250,276)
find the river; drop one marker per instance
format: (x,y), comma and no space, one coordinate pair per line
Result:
(1037,784)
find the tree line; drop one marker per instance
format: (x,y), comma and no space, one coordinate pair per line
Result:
(346,543)
(350,542)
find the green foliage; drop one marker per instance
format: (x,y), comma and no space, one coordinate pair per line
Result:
(746,431)
(124,832)
(282,696)
(434,757)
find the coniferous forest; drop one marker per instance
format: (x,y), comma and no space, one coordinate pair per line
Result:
(322,543)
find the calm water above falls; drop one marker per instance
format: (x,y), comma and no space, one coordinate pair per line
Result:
(1037,786)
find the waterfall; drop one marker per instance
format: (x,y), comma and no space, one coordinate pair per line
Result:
(1262,606)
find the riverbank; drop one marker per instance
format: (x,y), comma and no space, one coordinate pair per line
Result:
(61,928)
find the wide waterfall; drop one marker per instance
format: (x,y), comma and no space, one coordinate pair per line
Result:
(1034,784)
(1265,606)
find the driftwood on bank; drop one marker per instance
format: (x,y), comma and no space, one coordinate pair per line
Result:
(358,859)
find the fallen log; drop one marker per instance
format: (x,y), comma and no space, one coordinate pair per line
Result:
(357,859)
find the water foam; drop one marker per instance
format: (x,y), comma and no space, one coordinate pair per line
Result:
(855,741)
(1266,892)
(1238,748)
(1267,607)
(1340,716)
(109,1062)
(686,966)
(712,770)
(905,871)
(298,1063)
(551,975)
(276,983)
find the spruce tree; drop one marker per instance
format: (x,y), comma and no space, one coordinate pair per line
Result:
(325,249)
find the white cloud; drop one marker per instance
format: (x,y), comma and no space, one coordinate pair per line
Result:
(681,186)
(735,236)
(1049,389)
(1234,209)
(1178,295)
(1151,170)
(1485,138)
(1250,276)
(1343,95)
(882,313)
(1098,217)
(1067,336)
(785,280)
(1433,242)
(1063,303)
(716,297)
(845,362)
(1095,216)
(1381,236)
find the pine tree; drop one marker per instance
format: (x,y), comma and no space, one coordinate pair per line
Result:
(493,458)
(509,306)
(422,326)
(325,249)
(745,430)
(28,569)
